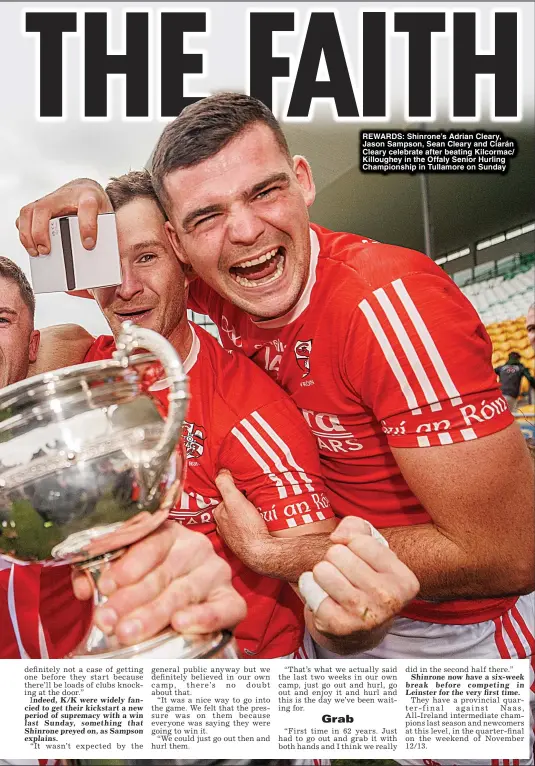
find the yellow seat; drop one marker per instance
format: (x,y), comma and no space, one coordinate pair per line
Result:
(517,334)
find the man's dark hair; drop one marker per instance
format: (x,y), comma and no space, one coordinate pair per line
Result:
(205,127)
(514,356)
(10,270)
(123,189)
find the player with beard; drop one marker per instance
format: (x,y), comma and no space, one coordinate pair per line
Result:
(240,420)
(39,615)
(384,356)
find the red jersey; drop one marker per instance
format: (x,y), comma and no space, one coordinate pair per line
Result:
(382,350)
(240,420)
(39,614)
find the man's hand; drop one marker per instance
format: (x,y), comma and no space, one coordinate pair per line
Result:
(82,197)
(238,521)
(366,586)
(282,554)
(171,577)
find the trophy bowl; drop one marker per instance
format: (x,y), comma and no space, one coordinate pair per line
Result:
(89,464)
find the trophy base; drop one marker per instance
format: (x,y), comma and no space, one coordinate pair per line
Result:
(168,645)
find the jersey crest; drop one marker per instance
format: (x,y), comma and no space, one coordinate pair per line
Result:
(193,436)
(302,350)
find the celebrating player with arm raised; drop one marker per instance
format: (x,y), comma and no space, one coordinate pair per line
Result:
(388,362)
(241,421)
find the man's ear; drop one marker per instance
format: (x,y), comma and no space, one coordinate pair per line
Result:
(304,177)
(175,243)
(35,339)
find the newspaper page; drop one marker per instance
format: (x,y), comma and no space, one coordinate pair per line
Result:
(288,709)
(416,120)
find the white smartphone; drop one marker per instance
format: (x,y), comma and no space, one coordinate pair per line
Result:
(69,266)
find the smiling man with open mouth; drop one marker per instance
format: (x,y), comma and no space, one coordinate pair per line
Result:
(387,360)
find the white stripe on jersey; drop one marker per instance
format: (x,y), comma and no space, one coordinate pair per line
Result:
(43,648)
(261,442)
(284,447)
(390,356)
(427,340)
(261,462)
(275,452)
(13,613)
(468,434)
(519,631)
(507,639)
(513,635)
(408,348)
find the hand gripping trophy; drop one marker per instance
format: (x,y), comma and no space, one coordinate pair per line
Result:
(88,466)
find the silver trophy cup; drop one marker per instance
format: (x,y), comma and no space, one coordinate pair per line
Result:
(90,465)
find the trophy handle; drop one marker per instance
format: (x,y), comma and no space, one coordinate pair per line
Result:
(133,337)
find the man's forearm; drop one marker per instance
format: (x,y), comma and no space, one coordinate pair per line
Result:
(447,571)
(287,557)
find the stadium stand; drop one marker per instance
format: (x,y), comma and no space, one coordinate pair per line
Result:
(502,296)
(504,291)
(205,322)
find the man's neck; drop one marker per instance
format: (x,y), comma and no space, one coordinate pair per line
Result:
(181,338)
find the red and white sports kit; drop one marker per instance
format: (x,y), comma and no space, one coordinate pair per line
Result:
(240,420)
(40,617)
(382,350)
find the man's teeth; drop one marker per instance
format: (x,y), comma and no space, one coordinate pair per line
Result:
(244,282)
(258,261)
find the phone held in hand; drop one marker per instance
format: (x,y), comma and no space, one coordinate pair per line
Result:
(69,266)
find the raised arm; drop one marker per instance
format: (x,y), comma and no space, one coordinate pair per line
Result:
(82,197)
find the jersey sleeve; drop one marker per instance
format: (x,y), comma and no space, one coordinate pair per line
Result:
(274,462)
(19,611)
(420,358)
(39,614)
